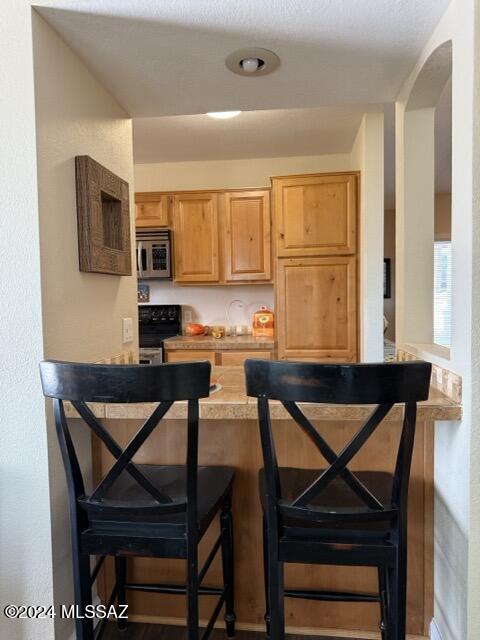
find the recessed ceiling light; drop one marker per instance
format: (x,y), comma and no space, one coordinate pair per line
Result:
(223,115)
(252,61)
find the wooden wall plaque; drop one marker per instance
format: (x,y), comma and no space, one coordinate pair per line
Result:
(103,217)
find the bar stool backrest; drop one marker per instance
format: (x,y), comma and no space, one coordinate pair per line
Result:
(165,384)
(383,385)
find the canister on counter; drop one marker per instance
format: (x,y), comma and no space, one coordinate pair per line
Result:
(263,323)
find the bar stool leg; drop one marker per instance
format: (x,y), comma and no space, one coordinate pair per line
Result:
(402,591)
(121,577)
(382,589)
(192,592)
(226,524)
(394,601)
(275,588)
(83,594)
(265,577)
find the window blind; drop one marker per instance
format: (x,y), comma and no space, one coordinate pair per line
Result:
(442,293)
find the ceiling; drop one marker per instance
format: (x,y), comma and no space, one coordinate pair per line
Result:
(252,134)
(168,57)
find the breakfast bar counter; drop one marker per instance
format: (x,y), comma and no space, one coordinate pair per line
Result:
(229,436)
(230,402)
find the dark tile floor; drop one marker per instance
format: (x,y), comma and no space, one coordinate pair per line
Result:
(137,631)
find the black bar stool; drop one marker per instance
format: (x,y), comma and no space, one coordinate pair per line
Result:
(142,510)
(334,516)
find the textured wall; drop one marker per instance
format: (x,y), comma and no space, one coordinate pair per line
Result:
(231,174)
(82,312)
(25,540)
(367,157)
(456,610)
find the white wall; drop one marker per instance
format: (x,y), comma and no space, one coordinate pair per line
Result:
(457,513)
(82,313)
(415,225)
(231,174)
(25,540)
(76,116)
(211,305)
(367,157)
(474,521)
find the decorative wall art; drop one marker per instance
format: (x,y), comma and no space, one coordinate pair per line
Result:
(103,218)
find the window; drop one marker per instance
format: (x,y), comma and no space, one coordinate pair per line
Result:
(442,293)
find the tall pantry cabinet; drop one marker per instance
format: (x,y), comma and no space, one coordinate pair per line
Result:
(315,219)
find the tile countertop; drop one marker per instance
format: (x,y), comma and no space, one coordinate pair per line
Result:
(228,343)
(231,403)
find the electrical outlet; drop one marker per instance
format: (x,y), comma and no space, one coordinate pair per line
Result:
(127,329)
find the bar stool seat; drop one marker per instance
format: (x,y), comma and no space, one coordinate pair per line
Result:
(293,481)
(213,485)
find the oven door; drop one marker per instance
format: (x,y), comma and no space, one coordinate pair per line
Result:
(151,356)
(153,255)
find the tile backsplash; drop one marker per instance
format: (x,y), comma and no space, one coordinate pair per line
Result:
(226,305)
(444,380)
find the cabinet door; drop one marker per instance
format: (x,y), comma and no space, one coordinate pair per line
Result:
(195,223)
(186,355)
(316,308)
(315,215)
(152,210)
(237,358)
(247,236)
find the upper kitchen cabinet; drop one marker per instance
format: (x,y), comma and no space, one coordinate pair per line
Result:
(196,237)
(315,215)
(152,210)
(247,236)
(316,308)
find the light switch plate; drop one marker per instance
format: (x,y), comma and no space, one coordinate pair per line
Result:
(127,329)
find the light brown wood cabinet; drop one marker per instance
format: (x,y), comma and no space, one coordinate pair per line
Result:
(219,237)
(196,237)
(316,308)
(237,358)
(226,358)
(315,214)
(246,236)
(185,355)
(152,210)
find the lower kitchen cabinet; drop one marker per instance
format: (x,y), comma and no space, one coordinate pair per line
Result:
(237,358)
(185,355)
(227,358)
(317,309)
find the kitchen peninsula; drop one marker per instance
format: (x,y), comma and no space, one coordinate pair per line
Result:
(229,435)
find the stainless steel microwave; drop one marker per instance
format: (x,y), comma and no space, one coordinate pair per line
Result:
(154,255)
